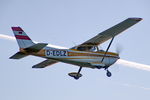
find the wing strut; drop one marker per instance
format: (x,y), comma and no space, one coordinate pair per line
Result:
(108,72)
(107,49)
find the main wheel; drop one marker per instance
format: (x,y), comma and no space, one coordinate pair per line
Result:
(76,77)
(108,73)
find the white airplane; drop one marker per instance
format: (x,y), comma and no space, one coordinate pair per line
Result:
(86,54)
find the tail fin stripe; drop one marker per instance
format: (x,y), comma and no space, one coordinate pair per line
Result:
(22,37)
(16,29)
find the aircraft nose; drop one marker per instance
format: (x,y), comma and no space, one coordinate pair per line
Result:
(118,56)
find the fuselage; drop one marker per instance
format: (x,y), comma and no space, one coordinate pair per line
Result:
(80,58)
(86,54)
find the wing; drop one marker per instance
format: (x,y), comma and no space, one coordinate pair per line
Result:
(45,63)
(111,32)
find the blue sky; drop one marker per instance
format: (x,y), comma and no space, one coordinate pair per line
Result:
(68,23)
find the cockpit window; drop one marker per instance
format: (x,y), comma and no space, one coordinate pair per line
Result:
(84,48)
(93,49)
(81,48)
(101,50)
(88,48)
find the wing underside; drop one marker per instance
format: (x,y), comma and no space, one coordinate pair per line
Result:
(110,33)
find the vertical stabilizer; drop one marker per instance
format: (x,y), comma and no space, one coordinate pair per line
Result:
(22,38)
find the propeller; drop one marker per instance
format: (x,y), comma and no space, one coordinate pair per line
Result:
(119,48)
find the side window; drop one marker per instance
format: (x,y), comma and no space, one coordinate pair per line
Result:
(81,48)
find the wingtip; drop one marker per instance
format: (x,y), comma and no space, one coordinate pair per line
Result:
(136,18)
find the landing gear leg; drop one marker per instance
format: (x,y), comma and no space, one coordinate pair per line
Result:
(78,74)
(108,73)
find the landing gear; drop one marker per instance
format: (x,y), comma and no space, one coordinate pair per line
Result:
(76,75)
(108,73)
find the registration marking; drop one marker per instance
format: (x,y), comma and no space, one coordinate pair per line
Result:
(59,53)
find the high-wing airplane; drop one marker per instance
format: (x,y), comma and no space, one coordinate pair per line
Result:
(86,54)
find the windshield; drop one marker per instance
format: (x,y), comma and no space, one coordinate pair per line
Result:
(101,50)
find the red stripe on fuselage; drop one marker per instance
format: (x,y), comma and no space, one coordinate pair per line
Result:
(22,37)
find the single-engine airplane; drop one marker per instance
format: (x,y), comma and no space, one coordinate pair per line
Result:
(86,54)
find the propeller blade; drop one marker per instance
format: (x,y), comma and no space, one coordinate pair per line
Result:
(119,49)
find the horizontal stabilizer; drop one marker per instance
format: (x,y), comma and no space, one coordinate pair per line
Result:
(45,63)
(36,47)
(18,55)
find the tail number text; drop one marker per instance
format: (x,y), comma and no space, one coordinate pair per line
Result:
(56,53)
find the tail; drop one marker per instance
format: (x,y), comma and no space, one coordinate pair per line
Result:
(25,44)
(22,38)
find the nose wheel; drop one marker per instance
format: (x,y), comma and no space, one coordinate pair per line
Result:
(108,73)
